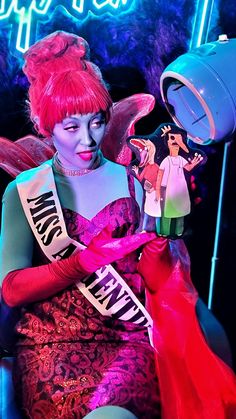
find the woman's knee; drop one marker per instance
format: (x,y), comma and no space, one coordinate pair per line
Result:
(108,412)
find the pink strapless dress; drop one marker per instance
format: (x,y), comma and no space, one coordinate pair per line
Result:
(71,359)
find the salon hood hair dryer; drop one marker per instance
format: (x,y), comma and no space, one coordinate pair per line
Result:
(199,91)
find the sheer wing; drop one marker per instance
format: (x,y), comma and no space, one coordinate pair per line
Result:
(30,151)
(125,114)
(23,154)
(40,149)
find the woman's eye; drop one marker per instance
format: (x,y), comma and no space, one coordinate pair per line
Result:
(71,128)
(97,123)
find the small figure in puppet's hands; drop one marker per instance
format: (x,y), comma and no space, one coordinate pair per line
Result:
(148,176)
(172,157)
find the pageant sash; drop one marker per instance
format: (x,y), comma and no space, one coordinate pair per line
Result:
(105,289)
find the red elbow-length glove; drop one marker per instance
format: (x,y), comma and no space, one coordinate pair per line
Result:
(24,286)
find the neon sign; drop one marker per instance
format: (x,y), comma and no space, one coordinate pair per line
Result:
(201,25)
(25,17)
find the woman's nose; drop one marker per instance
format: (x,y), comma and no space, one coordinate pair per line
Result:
(86,137)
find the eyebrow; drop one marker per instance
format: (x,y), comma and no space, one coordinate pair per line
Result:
(69,119)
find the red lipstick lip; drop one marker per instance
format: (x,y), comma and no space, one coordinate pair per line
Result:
(86,154)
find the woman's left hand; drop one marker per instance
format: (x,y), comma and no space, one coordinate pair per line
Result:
(104,249)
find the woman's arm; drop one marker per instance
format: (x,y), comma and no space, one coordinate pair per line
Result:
(16,237)
(23,284)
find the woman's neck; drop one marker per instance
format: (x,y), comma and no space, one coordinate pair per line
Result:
(60,168)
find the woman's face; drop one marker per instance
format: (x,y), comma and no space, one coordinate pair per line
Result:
(77,139)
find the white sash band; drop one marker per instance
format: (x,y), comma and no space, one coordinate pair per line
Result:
(105,289)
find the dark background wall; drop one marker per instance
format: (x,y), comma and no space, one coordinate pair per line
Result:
(132,49)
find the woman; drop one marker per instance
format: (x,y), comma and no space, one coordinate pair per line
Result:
(82,346)
(70,358)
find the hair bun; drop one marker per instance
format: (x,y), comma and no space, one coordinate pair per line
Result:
(59,51)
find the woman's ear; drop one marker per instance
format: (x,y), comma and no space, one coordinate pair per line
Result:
(36,120)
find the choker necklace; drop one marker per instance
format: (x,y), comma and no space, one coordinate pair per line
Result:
(59,168)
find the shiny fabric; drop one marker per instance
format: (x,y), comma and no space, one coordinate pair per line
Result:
(194,382)
(69,380)
(70,359)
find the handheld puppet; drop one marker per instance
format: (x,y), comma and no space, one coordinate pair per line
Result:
(162,159)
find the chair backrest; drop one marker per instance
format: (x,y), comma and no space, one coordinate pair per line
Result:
(8,407)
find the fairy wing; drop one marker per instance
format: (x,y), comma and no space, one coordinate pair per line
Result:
(30,151)
(13,158)
(125,114)
(23,154)
(40,149)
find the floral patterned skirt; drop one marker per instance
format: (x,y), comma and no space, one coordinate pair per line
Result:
(68,380)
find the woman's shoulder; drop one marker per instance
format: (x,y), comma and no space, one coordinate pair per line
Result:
(10,190)
(111,165)
(112,171)
(10,198)
(26,174)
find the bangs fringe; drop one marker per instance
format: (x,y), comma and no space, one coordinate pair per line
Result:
(71,93)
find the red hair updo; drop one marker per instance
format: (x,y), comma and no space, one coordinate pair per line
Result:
(63,81)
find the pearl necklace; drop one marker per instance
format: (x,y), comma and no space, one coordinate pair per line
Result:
(74,172)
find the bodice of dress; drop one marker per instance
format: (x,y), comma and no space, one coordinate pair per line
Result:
(69,316)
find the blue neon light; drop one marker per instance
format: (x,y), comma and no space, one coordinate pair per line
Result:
(199,36)
(26,17)
(201,23)
(113,3)
(78,6)
(218,224)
